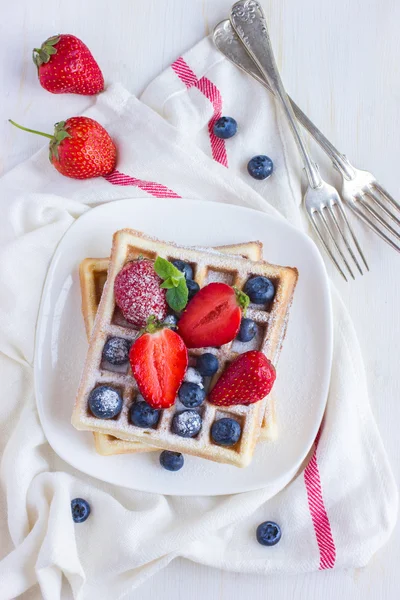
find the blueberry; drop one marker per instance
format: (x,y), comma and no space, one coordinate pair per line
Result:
(268,533)
(142,415)
(116,351)
(172,461)
(80,510)
(193,287)
(171,321)
(184,267)
(226,432)
(186,423)
(260,167)
(105,402)
(191,394)
(247,331)
(259,289)
(207,364)
(225,127)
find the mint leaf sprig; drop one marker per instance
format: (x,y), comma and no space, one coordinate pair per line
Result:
(174,282)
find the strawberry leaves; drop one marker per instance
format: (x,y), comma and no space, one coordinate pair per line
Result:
(42,55)
(174,282)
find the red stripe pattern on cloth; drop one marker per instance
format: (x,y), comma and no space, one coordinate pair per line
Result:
(151,187)
(319,516)
(212,93)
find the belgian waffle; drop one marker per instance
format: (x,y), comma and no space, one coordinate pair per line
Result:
(93,275)
(208,266)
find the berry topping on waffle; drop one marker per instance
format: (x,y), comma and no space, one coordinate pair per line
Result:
(159,361)
(138,292)
(212,317)
(248,379)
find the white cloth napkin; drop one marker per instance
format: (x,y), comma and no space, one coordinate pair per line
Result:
(336,513)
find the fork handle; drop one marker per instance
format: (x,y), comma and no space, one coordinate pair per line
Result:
(249,22)
(338,159)
(231,46)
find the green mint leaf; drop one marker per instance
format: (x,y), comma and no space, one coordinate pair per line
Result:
(164,268)
(177,297)
(176,280)
(168,284)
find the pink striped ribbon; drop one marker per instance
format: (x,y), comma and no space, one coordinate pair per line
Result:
(151,187)
(212,93)
(319,516)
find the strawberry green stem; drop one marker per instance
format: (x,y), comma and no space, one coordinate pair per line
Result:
(48,135)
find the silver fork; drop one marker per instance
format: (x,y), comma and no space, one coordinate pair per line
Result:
(360,189)
(322,201)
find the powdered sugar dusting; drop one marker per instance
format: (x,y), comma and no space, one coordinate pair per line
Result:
(193,376)
(138,293)
(130,243)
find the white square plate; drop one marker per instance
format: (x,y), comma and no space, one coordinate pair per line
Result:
(303,372)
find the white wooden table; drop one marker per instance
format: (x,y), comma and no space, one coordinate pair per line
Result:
(339,60)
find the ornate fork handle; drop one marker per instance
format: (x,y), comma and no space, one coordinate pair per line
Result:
(248,20)
(227,41)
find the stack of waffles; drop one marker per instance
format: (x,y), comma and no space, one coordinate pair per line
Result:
(233,265)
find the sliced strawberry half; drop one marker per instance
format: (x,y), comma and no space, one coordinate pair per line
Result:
(212,317)
(248,379)
(159,361)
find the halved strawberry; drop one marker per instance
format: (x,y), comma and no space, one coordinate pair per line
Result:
(212,317)
(248,379)
(159,361)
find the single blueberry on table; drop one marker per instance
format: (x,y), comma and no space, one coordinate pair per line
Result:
(225,127)
(105,402)
(226,432)
(260,167)
(184,267)
(187,423)
(193,287)
(80,510)
(259,289)
(171,461)
(247,331)
(191,394)
(142,415)
(116,351)
(268,533)
(207,364)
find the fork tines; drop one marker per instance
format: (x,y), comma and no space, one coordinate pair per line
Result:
(338,238)
(374,205)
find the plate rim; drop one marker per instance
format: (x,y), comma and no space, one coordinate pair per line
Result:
(43,319)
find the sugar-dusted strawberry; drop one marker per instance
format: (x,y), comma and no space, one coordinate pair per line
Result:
(138,292)
(80,148)
(212,317)
(248,379)
(66,65)
(159,361)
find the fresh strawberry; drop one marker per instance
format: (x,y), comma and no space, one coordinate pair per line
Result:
(248,379)
(159,361)
(80,148)
(138,292)
(212,317)
(66,65)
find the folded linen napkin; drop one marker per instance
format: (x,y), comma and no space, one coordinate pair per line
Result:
(335,513)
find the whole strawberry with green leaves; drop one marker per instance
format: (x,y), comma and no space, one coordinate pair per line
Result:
(80,148)
(66,65)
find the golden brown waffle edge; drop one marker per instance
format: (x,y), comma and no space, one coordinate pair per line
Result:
(127,245)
